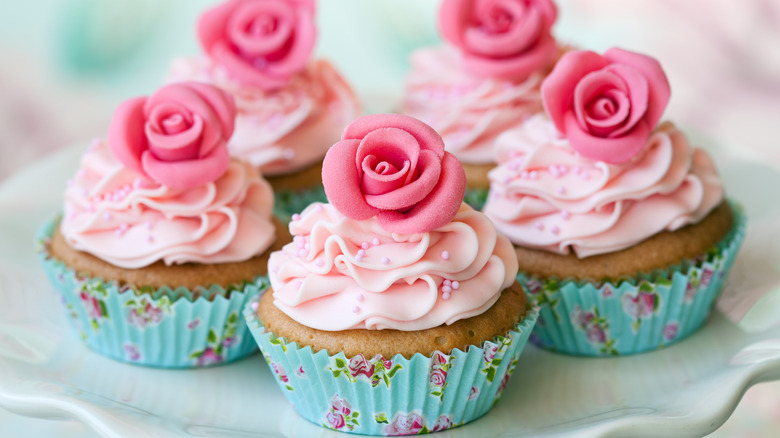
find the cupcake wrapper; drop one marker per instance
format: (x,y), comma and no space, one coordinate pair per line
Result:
(476,197)
(398,396)
(634,315)
(163,328)
(289,202)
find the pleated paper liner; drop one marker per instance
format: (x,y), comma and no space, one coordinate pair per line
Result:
(290,202)
(392,396)
(169,328)
(476,197)
(634,315)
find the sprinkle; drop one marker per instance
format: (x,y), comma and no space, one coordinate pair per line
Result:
(555,230)
(300,241)
(302,252)
(107,216)
(254,305)
(364,245)
(124,226)
(507,179)
(524,174)
(514,165)
(306,246)
(359,258)
(447,282)
(375,241)
(565,215)
(533,174)
(554,171)
(445,255)
(296,217)
(576,170)
(289,153)
(446,289)
(563,169)
(275,268)
(90,208)
(150,238)
(138,183)
(585,176)
(445,296)
(540,226)
(298,284)
(318,208)
(361,252)
(385,260)
(149,225)
(319,262)
(356,309)
(561,190)
(455,285)
(360,298)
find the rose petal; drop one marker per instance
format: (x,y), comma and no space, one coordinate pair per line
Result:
(392,145)
(242,27)
(437,209)
(609,150)
(161,119)
(526,25)
(558,88)
(425,136)
(601,84)
(187,174)
(454,15)
(381,177)
(516,67)
(638,93)
(126,133)
(413,192)
(658,85)
(298,55)
(341,180)
(177,147)
(608,113)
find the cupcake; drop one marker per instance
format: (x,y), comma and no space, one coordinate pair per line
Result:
(163,236)
(395,310)
(291,109)
(621,228)
(484,81)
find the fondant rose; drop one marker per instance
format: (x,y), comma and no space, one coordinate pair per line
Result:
(177,136)
(508,39)
(394,167)
(260,43)
(606,106)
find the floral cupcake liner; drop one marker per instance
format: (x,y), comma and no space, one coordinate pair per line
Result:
(289,202)
(392,396)
(476,197)
(634,315)
(167,328)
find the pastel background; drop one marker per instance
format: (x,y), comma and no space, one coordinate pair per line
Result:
(67,63)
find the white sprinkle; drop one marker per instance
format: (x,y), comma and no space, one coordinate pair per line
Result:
(319,262)
(375,241)
(446,282)
(561,190)
(355,309)
(445,296)
(296,217)
(540,226)
(150,238)
(446,289)
(385,260)
(585,176)
(359,258)
(565,215)
(533,174)
(360,298)
(302,252)
(364,245)
(555,230)
(107,216)
(318,208)
(576,170)
(445,255)
(455,285)
(361,253)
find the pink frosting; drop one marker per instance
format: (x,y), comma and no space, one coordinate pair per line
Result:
(261,43)
(507,39)
(394,167)
(340,273)
(607,106)
(468,112)
(177,136)
(131,222)
(289,128)
(545,195)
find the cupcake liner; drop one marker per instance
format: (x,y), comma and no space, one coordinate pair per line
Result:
(290,202)
(476,197)
(169,328)
(397,396)
(630,316)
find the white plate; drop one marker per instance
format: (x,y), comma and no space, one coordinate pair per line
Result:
(687,389)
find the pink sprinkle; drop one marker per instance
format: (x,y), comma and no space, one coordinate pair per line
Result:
(514,165)
(108,216)
(355,309)
(385,260)
(364,245)
(445,255)
(119,232)
(446,289)
(298,284)
(565,215)
(90,208)
(138,183)
(306,246)
(289,154)
(555,230)
(561,190)
(447,282)
(302,252)
(360,298)
(296,217)
(455,285)
(254,305)
(359,258)
(375,241)
(361,253)
(524,174)
(318,208)
(563,169)
(319,262)
(507,179)
(533,174)
(445,296)
(149,225)
(540,226)
(124,227)
(554,171)
(576,170)
(275,268)
(585,176)
(150,238)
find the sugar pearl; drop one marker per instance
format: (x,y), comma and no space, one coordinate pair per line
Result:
(445,255)
(455,285)
(375,241)
(446,289)
(445,296)
(385,260)
(364,245)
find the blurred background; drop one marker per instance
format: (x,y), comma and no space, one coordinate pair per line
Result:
(67,63)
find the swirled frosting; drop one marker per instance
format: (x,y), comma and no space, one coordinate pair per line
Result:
(467,111)
(340,273)
(284,130)
(130,221)
(545,195)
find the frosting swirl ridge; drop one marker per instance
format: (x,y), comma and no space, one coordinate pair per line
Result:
(130,221)
(545,195)
(341,273)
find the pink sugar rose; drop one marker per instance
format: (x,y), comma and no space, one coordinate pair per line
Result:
(507,39)
(394,167)
(261,43)
(607,106)
(177,136)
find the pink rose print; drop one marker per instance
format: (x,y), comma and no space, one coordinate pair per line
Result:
(596,334)
(193,324)
(340,405)
(92,306)
(300,372)
(132,352)
(706,276)
(279,370)
(359,365)
(533,286)
(670,330)
(639,306)
(442,423)
(335,420)
(439,358)
(261,43)
(607,106)
(394,167)
(474,393)
(438,377)
(341,415)
(607,292)
(177,136)
(209,357)
(508,39)
(405,424)
(504,382)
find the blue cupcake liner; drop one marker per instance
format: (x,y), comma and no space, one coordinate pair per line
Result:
(397,396)
(168,328)
(290,202)
(628,316)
